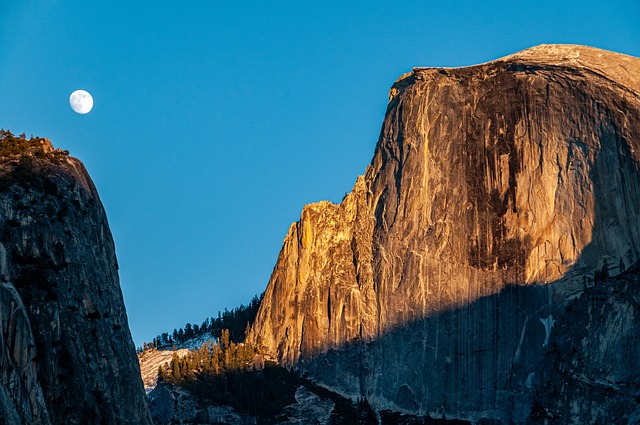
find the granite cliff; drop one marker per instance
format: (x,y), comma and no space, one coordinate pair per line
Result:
(497,195)
(66,353)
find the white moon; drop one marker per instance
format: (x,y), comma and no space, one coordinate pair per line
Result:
(81,101)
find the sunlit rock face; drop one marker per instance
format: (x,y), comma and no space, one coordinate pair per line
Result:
(495,194)
(66,354)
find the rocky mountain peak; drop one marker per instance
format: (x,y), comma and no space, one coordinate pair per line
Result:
(496,194)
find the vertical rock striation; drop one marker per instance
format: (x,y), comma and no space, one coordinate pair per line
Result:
(495,194)
(66,354)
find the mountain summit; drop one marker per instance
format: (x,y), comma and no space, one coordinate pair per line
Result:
(498,195)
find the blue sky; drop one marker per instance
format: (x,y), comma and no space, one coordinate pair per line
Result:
(215,122)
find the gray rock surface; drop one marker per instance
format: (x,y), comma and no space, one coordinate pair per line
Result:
(21,398)
(495,194)
(66,353)
(309,409)
(591,371)
(172,404)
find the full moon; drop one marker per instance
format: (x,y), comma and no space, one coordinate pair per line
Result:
(81,101)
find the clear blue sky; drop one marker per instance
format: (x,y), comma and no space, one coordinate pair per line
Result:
(215,122)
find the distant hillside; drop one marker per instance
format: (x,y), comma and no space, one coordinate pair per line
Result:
(237,321)
(159,352)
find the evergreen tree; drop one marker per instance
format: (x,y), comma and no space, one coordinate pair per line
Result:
(247,331)
(224,338)
(162,374)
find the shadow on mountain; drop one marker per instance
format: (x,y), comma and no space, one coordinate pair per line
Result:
(493,358)
(480,358)
(506,357)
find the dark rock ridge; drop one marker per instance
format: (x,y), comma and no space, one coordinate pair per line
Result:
(66,353)
(496,194)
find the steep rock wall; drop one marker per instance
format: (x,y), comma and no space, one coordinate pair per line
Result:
(21,398)
(495,194)
(67,356)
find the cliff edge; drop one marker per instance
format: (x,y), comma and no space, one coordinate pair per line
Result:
(66,353)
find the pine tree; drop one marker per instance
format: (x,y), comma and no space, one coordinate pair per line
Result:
(247,331)
(175,368)
(224,339)
(162,374)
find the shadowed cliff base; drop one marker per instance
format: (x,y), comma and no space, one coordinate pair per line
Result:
(271,395)
(510,357)
(475,362)
(495,195)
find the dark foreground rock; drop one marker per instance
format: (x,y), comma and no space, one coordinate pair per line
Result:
(66,354)
(292,400)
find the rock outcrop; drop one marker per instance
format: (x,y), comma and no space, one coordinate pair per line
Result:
(172,404)
(591,369)
(66,353)
(151,360)
(496,194)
